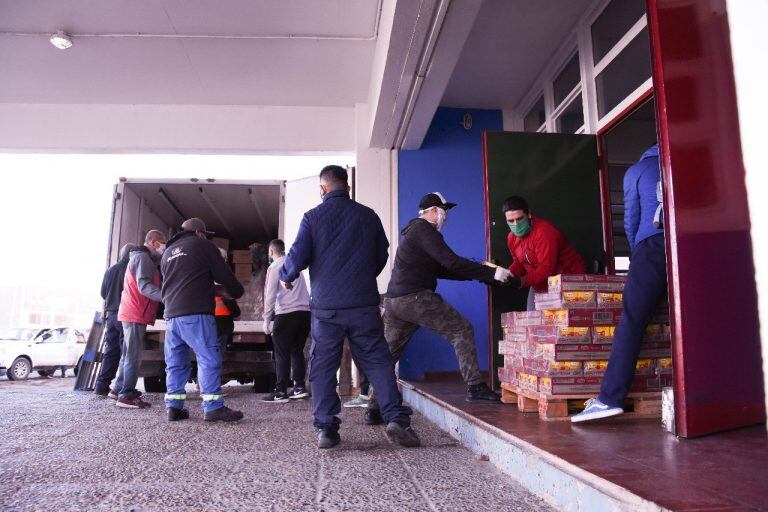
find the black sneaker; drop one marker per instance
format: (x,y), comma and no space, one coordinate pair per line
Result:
(327,438)
(175,414)
(275,397)
(404,436)
(482,393)
(223,414)
(373,417)
(298,392)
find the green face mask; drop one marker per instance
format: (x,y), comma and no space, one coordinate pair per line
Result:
(522,228)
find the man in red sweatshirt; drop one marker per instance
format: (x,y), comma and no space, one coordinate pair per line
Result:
(538,249)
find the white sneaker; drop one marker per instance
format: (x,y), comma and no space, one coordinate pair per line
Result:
(594,409)
(358,401)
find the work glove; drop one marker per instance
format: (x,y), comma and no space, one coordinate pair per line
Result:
(268,327)
(502,275)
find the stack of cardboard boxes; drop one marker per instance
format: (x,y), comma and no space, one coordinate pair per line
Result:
(563,347)
(243,262)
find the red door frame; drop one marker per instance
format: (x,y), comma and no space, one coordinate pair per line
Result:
(713,299)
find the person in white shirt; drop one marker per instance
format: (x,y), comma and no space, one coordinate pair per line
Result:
(287,318)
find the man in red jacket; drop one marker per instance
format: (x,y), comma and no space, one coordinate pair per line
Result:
(539,250)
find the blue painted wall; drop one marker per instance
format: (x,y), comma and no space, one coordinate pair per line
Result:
(450,161)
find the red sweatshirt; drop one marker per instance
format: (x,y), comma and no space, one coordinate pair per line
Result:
(543,252)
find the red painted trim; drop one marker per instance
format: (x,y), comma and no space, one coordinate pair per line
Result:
(605,177)
(491,362)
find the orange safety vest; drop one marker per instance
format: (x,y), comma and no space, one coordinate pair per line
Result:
(221,308)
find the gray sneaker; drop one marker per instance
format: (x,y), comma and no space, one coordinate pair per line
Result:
(358,401)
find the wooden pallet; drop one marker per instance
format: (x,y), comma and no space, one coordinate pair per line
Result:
(562,407)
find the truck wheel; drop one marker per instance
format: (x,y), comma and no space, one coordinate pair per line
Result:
(154,384)
(264,383)
(19,369)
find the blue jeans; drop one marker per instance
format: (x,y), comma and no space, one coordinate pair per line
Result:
(365,331)
(110,355)
(197,332)
(645,287)
(128,372)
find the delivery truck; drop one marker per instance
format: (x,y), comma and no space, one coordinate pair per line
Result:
(245,216)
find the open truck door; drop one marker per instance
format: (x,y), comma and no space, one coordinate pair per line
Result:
(559,176)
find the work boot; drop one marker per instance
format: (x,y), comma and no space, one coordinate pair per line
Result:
(327,438)
(101,392)
(175,414)
(223,414)
(482,393)
(404,436)
(373,417)
(132,402)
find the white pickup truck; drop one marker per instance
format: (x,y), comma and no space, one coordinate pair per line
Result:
(240,212)
(44,350)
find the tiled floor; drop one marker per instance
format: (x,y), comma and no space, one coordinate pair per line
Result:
(727,471)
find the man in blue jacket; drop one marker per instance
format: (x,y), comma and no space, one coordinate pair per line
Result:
(646,284)
(344,245)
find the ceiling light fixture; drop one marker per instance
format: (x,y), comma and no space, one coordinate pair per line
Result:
(61,40)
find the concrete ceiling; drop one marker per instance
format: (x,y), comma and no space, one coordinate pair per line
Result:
(510,44)
(249,52)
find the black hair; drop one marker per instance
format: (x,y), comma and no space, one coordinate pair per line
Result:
(334,175)
(514,203)
(278,245)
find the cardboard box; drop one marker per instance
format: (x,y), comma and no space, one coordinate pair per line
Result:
(564,300)
(508,319)
(591,385)
(508,375)
(653,333)
(242,257)
(221,243)
(561,352)
(655,349)
(515,334)
(559,334)
(514,362)
(526,318)
(596,368)
(509,348)
(243,270)
(581,317)
(528,381)
(602,334)
(586,282)
(664,366)
(542,368)
(609,299)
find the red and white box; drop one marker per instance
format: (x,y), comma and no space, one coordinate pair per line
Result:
(564,300)
(527,318)
(542,368)
(581,317)
(586,282)
(559,334)
(562,352)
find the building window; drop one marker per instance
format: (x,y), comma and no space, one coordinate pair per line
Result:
(568,79)
(535,117)
(628,71)
(613,23)
(571,118)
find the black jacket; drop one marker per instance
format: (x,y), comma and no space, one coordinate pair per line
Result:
(423,256)
(112,285)
(189,267)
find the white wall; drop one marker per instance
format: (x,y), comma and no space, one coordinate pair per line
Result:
(374,184)
(749,47)
(176,128)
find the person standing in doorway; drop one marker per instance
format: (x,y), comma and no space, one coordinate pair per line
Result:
(646,284)
(287,318)
(138,308)
(190,267)
(344,245)
(539,250)
(111,291)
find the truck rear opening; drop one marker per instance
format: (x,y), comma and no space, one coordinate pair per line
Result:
(240,214)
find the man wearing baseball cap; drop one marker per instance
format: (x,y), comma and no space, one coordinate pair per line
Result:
(411,302)
(190,265)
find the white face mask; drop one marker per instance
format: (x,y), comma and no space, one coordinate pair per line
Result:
(441,216)
(160,249)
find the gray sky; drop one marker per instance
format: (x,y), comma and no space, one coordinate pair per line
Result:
(55,209)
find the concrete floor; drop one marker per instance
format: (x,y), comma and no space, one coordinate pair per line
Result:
(61,450)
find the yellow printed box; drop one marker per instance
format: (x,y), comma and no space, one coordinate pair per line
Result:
(559,334)
(528,381)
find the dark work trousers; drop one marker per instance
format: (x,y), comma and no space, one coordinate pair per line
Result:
(365,331)
(289,335)
(365,384)
(646,286)
(110,355)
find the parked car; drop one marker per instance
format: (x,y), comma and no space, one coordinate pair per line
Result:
(21,352)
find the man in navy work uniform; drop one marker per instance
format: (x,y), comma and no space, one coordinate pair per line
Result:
(344,245)
(645,287)
(190,265)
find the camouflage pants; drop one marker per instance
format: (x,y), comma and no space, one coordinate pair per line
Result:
(404,315)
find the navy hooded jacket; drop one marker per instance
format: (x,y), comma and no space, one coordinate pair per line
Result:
(344,245)
(640,200)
